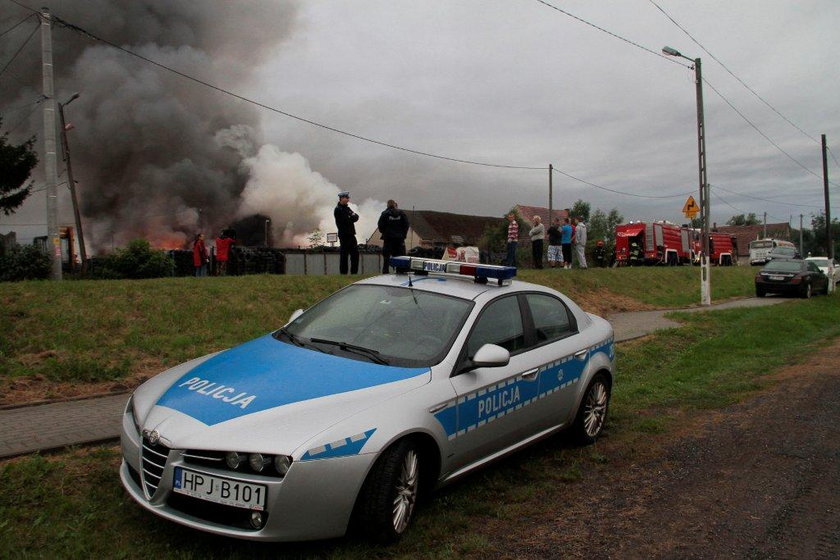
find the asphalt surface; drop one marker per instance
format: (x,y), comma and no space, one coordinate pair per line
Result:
(46,427)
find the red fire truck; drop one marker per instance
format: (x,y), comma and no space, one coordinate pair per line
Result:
(723,248)
(651,243)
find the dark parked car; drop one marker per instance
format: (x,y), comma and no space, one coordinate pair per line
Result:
(783,252)
(791,276)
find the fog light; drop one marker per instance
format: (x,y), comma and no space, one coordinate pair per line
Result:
(282,464)
(257,519)
(233,459)
(257,461)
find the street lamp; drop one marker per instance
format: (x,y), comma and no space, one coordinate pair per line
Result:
(71,182)
(705,287)
(267,221)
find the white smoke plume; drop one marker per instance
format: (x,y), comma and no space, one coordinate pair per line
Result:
(298,200)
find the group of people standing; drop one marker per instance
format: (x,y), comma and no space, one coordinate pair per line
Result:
(562,238)
(393,226)
(201,256)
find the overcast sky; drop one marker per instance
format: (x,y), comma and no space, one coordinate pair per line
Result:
(518,83)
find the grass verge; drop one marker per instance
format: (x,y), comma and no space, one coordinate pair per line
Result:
(64,339)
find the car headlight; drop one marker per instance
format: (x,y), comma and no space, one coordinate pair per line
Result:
(282,464)
(233,459)
(257,462)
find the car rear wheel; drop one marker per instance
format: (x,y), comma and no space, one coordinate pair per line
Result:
(390,493)
(759,292)
(592,414)
(806,290)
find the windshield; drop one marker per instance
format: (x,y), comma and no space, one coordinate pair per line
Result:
(783,266)
(823,263)
(385,324)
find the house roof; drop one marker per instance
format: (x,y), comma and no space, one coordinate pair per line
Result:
(745,234)
(527,213)
(441,227)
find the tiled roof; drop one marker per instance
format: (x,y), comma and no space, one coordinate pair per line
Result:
(527,213)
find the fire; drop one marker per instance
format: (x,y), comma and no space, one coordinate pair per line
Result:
(168,242)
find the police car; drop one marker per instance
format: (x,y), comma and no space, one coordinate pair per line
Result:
(383,391)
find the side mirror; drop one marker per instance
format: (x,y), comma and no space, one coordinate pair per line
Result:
(489,355)
(297,313)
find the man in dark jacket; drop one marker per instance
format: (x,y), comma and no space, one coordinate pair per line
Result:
(344,220)
(393,225)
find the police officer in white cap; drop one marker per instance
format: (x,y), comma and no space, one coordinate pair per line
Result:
(344,220)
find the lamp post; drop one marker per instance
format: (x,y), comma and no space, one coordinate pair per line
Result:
(705,286)
(66,149)
(267,222)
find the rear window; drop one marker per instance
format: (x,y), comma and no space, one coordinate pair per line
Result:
(783,266)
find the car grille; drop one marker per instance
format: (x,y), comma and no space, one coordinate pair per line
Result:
(153,462)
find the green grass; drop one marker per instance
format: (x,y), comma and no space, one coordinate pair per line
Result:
(103,330)
(71,504)
(92,331)
(663,287)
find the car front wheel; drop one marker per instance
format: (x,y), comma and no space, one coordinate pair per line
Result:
(390,493)
(806,291)
(592,414)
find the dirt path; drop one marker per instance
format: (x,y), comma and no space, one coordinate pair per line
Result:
(756,480)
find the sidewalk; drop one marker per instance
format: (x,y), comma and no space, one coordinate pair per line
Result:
(53,426)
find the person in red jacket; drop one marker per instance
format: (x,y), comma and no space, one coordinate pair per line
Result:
(223,243)
(200,256)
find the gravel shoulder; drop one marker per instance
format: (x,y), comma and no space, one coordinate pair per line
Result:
(760,479)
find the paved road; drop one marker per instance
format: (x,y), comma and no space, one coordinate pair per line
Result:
(53,426)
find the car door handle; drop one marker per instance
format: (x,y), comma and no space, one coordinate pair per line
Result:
(581,355)
(531,374)
(437,408)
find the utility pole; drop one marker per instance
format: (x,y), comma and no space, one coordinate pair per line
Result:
(828,241)
(76,214)
(801,244)
(550,193)
(50,164)
(765,226)
(705,271)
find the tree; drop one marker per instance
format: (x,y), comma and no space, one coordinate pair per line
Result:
(602,226)
(818,245)
(580,209)
(741,220)
(316,239)
(26,262)
(137,260)
(16,164)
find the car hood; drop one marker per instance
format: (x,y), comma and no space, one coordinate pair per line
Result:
(265,395)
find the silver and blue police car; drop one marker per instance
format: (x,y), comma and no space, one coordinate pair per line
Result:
(385,390)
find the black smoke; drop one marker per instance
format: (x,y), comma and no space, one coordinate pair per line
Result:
(155,155)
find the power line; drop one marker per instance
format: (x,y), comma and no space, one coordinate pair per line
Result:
(749,122)
(16,25)
(29,114)
(14,56)
(681,28)
(81,31)
(611,34)
(613,190)
(770,200)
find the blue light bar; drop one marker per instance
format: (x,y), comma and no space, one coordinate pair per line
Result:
(481,272)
